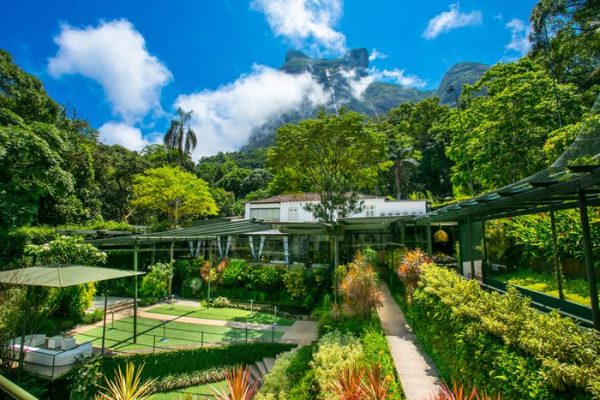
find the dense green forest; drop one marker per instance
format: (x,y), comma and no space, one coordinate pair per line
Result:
(520,116)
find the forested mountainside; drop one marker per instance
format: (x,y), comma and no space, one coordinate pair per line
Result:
(345,78)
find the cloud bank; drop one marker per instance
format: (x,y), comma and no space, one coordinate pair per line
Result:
(113,54)
(306,23)
(225,118)
(124,135)
(519,36)
(451,19)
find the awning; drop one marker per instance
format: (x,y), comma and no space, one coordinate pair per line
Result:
(59,276)
(207,230)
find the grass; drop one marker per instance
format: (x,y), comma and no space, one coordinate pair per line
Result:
(222,314)
(177,334)
(575,290)
(199,391)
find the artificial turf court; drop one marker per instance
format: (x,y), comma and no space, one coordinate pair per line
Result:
(222,314)
(151,331)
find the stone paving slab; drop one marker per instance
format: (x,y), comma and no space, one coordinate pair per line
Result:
(417,373)
(302,332)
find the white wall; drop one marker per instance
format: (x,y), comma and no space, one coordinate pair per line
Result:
(382,208)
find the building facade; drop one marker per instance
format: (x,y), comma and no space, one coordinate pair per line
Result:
(291,208)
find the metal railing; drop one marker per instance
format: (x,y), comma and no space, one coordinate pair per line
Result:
(14,390)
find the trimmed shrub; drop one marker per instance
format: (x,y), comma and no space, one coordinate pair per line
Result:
(500,343)
(294,282)
(185,361)
(376,351)
(236,273)
(336,351)
(155,282)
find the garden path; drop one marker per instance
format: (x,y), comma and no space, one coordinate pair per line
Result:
(302,332)
(418,375)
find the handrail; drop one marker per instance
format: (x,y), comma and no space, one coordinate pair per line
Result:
(14,390)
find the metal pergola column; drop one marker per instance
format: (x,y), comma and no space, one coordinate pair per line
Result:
(589,261)
(135,291)
(557,266)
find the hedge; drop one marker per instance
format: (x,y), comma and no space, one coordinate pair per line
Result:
(501,344)
(184,361)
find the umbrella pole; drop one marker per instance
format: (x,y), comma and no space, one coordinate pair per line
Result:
(135,292)
(104,323)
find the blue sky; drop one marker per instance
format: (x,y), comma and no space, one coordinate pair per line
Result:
(125,66)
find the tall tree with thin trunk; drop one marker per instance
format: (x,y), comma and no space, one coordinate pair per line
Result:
(403,155)
(180,136)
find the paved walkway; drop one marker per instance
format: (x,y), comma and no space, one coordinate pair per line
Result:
(416,371)
(302,332)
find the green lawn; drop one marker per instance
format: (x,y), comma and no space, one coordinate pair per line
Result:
(576,290)
(200,392)
(177,334)
(223,314)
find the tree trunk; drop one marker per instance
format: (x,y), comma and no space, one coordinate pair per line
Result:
(398,176)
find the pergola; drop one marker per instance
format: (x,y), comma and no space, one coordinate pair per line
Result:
(572,181)
(61,276)
(208,229)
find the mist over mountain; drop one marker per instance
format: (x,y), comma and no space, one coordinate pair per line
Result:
(353,85)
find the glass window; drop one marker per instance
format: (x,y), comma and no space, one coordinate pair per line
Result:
(293,214)
(267,214)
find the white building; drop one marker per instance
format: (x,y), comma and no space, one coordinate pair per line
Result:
(290,208)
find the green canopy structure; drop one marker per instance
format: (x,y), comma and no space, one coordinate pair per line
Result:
(65,275)
(60,275)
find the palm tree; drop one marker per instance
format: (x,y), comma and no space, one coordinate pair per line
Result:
(401,154)
(180,135)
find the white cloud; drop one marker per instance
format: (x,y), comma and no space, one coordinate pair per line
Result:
(125,135)
(358,85)
(519,36)
(451,19)
(377,55)
(114,54)
(225,118)
(306,22)
(398,76)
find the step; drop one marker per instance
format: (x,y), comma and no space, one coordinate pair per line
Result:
(262,368)
(269,362)
(255,374)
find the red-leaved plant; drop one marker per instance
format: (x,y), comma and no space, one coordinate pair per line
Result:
(409,270)
(361,383)
(458,392)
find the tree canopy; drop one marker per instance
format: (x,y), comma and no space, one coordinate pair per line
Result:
(173,193)
(333,155)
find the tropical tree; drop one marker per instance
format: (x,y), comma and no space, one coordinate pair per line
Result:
(403,155)
(415,121)
(506,129)
(172,193)
(333,155)
(180,135)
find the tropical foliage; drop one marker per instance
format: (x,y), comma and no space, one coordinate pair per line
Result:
(360,288)
(172,193)
(334,156)
(500,343)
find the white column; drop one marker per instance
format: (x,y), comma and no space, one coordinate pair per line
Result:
(219,246)
(261,246)
(228,246)
(251,241)
(286,251)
